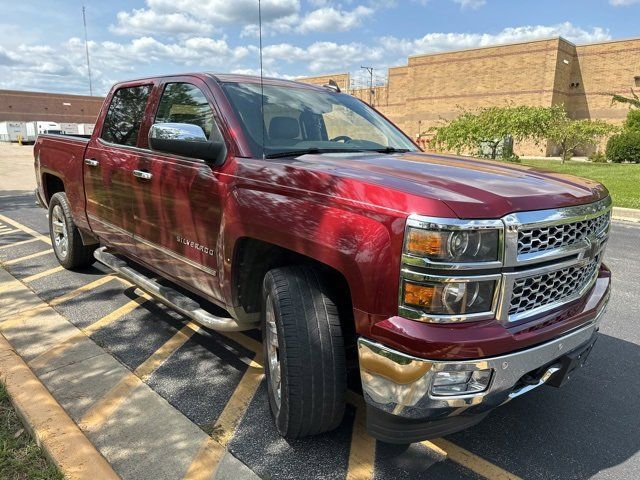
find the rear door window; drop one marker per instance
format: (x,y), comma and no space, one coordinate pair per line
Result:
(124,117)
(185,103)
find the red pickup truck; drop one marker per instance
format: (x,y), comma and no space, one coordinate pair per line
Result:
(442,286)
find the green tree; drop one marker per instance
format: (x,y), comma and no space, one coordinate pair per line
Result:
(571,134)
(489,126)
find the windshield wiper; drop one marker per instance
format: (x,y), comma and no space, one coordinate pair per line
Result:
(389,150)
(296,153)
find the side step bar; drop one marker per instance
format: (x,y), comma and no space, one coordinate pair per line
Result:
(170,297)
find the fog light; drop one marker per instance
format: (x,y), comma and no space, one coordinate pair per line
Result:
(460,382)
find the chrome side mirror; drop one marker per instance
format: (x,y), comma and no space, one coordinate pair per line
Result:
(187,140)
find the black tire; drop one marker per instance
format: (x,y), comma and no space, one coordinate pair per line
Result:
(65,237)
(310,350)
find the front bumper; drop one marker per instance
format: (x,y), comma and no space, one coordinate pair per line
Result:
(402,407)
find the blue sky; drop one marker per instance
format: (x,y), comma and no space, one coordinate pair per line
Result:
(42,46)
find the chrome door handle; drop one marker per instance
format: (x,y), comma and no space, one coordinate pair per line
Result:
(92,162)
(143,175)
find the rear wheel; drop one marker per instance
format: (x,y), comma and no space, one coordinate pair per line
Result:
(304,352)
(65,237)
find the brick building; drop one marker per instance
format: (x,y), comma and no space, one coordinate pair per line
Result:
(52,107)
(539,73)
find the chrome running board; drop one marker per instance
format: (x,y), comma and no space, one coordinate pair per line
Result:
(175,300)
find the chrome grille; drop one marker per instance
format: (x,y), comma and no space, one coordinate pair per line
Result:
(541,290)
(548,238)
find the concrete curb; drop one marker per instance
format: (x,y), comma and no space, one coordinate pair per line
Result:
(626,214)
(60,438)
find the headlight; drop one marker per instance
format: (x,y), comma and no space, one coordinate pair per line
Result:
(450,298)
(454,246)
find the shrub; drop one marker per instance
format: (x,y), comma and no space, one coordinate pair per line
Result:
(632,123)
(624,147)
(597,157)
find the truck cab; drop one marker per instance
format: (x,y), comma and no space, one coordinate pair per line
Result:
(439,286)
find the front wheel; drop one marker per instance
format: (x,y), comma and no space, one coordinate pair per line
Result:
(65,237)
(304,352)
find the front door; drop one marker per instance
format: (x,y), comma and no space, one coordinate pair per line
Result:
(177,209)
(109,163)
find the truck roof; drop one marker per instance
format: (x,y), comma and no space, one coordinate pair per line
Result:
(231,78)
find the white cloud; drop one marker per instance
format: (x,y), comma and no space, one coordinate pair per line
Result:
(63,68)
(623,3)
(331,19)
(142,22)
(439,42)
(473,4)
(228,11)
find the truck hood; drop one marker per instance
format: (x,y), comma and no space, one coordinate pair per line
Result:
(472,188)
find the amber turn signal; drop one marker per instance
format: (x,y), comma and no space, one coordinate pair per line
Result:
(424,242)
(418,295)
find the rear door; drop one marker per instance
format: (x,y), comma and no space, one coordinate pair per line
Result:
(110,163)
(178,211)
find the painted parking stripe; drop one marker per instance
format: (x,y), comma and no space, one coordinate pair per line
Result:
(44,358)
(22,242)
(208,457)
(46,273)
(85,288)
(100,412)
(150,365)
(29,257)
(25,229)
(362,454)
(116,314)
(8,232)
(473,462)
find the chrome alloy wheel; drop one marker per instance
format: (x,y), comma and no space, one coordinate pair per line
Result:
(59,232)
(273,352)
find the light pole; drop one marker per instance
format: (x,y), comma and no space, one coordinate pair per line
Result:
(370,70)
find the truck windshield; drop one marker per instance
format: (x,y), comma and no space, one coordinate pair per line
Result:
(300,120)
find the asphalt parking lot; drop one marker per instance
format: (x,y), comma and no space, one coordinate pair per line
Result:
(589,429)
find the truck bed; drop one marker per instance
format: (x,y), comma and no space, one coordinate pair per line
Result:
(62,156)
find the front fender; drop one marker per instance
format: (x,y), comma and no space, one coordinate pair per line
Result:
(363,246)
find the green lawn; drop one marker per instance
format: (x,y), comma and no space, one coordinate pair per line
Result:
(622,179)
(20,457)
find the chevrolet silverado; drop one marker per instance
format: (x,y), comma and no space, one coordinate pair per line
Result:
(440,286)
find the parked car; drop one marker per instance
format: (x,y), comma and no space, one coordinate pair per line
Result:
(445,286)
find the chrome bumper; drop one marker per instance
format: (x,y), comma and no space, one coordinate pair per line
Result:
(400,384)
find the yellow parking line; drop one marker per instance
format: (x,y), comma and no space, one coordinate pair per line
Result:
(362,454)
(100,412)
(22,242)
(235,408)
(25,229)
(471,461)
(47,356)
(206,460)
(28,257)
(150,365)
(115,315)
(36,276)
(8,232)
(78,291)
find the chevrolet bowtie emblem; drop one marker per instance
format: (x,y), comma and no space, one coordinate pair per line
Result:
(593,247)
